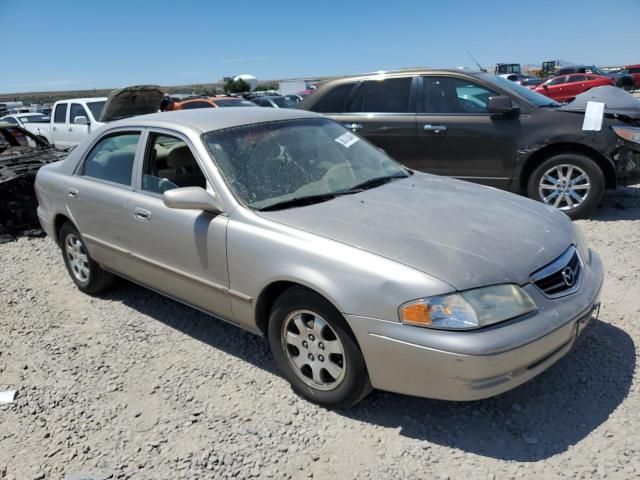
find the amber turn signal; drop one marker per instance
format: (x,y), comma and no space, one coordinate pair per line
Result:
(416,314)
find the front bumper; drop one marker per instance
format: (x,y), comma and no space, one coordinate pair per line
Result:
(478,364)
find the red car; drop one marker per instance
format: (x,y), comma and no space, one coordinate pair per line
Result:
(565,87)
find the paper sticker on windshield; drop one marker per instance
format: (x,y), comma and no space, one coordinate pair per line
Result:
(593,117)
(347,139)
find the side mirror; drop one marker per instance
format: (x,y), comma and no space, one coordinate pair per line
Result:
(192,198)
(80,120)
(501,104)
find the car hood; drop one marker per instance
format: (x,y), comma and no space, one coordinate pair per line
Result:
(615,99)
(131,101)
(464,234)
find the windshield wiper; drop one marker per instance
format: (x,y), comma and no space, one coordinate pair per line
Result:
(306,200)
(374,182)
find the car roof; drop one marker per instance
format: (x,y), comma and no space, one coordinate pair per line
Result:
(407,71)
(26,114)
(203,120)
(85,100)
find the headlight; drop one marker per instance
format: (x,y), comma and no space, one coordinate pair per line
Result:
(630,134)
(467,310)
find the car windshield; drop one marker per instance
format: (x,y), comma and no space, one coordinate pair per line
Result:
(96,108)
(234,103)
(274,163)
(597,71)
(529,95)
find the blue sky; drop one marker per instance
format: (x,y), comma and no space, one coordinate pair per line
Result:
(77,44)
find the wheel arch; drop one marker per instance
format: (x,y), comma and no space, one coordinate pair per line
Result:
(567,147)
(270,293)
(58,221)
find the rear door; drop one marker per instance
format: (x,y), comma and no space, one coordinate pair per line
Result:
(98,195)
(383,111)
(458,137)
(576,84)
(77,133)
(59,125)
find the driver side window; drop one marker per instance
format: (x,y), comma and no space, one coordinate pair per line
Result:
(169,163)
(455,95)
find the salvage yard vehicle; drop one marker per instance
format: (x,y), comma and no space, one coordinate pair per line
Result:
(286,224)
(72,120)
(622,80)
(21,155)
(483,128)
(275,101)
(20,119)
(566,87)
(209,102)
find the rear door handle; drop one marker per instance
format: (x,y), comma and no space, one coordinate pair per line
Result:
(434,128)
(72,192)
(141,213)
(353,126)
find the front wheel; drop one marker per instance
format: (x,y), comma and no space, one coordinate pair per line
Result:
(316,351)
(570,182)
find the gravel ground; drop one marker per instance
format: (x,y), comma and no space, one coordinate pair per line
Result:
(133,385)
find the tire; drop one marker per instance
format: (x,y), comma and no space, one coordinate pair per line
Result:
(330,368)
(574,165)
(88,276)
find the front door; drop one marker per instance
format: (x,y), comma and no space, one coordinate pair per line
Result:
(458,137)
(383,112)
(77,133)
(181,253)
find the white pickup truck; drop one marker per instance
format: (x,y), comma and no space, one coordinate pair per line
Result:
(72,120)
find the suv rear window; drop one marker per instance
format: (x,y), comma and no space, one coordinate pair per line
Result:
(334,100)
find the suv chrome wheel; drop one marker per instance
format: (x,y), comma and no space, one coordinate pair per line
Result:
(77,256)
(564,187)
(313,350)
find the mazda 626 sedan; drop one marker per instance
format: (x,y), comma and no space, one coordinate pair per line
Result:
(360,272)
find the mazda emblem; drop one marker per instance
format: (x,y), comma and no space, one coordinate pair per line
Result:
(568,277)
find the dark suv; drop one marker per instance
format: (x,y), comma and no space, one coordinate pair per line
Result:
(479,127)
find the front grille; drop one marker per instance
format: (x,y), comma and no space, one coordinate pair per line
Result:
(562,276)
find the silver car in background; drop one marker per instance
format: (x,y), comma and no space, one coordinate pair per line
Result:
(360,272)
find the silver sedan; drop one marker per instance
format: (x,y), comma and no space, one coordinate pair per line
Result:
(360,273)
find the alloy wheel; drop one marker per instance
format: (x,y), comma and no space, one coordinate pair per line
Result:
(564,187)
(313,350)
(77,257)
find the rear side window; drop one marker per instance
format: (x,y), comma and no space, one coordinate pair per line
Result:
(60,115)
(634,70)
(77,110)
(383,96)
(577,78)
(190,105)
(112,158)
(334,100)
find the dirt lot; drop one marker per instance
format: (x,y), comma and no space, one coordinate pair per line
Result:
(133,385)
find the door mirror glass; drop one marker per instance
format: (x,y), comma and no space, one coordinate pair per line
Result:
(192,198)
(81,120)
(501,104)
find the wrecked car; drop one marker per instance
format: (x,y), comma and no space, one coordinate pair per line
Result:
(360,272)
(486,129)
(21,156)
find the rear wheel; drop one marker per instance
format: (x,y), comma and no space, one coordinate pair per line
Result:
(570,182)
(88,276)
(316,351)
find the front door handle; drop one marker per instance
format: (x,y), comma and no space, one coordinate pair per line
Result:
(353,126)
(434,128)
(72,192)
(141,213)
